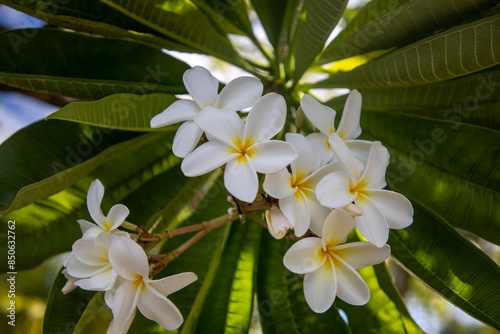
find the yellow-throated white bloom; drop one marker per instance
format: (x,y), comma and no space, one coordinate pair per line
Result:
(296,190)
(277,223)
(116,215)
(238,94)
(135,290)
(245,148)
(381,209)
(323,118)
(329,264)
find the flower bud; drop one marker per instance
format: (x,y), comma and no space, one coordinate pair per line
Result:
(277,223)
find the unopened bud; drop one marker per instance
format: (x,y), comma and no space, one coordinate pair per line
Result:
(277,223)
(353,210)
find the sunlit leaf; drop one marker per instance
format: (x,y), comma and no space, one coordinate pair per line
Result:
(119,111)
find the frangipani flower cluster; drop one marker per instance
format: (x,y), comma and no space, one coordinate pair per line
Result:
(326,183)
(106,259)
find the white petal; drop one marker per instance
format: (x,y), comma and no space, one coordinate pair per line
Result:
(240,179)
(374,174)
(318,213)
(79,269)
(272,156)
(278,185)
(94,199)
(128,258)
(337,226)
(179,111)
(320,287)
(360,149)
(201,85)
(158,308)
(396,208)
(85,252)
(116,215)
(171,284)
(319,143)
(305,256)
(362,254)
(103,241)
(186,138)
(239,93)
(308,159)
(101,282)
(70,284)
(295,208)
(206,158)
(333,190)
(351,288)
(124,307)
(223,125)
(266,118)
(85,225)
(372,223)
(351,164)
(321,116)
(349,127)
(320,173)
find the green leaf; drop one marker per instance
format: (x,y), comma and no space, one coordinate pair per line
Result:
(91,17)
(182,21)
(383,24)
(49,227)
(230,300)
(451,265)
(449,168)
(453,53)
(230,15)
(472,99)
(280,296)
(385,312)
(272,15)
(47,157)
(63,311)
(316,22)
(119,111)
(85,67)
(96,317)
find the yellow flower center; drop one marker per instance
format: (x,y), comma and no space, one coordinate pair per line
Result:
(243,148)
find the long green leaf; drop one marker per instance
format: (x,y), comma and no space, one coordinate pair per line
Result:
(472,99)
(119,111)
(85,67)
(383,24)
(230,15)
(91,17)
(280,296)
(272,15)
(96,317)
(47,157)
(230,300)
(316,22)
(49,227)
(449,168)
(182,21)
(63,311)
(451,265)
(385,312)
(453,53)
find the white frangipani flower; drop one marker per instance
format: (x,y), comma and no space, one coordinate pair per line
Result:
(90,264)
(136,290)
(238,94)
(277,223)
(323,118)
(116,215)
(245,148)
(329,265)
(296,190)
(381,209)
